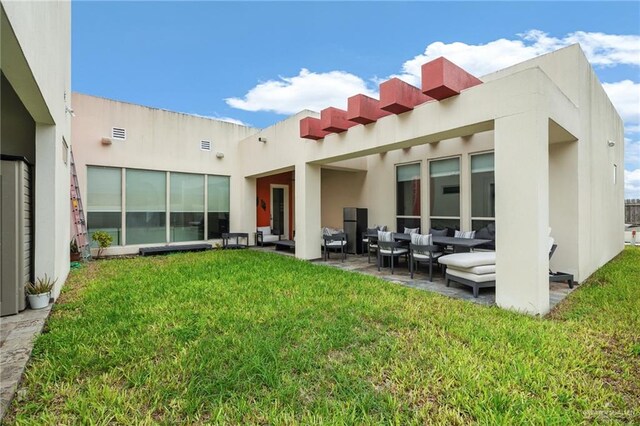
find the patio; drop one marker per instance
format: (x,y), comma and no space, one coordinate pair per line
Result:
(401,275)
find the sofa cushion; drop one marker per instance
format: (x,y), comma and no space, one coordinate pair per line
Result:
(270,238)
(478,270)
(411,230)
(421,240)
(385,236)
(439,232)
(264,229)
(469,260)
(421,256)
(464,234)
(471,277)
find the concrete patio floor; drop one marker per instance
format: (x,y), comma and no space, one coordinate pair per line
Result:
(17,334)
(401,275)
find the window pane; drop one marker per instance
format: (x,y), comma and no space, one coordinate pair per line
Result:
(187,207)
(218,193)
(445,223)
(408,190)
(483,195)
(146,206)
(445,187)
(104,202)
(217,205)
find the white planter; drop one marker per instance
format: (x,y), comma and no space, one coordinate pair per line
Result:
(38,301)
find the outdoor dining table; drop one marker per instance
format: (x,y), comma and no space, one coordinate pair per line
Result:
(460,245)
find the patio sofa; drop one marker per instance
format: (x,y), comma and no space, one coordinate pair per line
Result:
(266,235)
(476,270)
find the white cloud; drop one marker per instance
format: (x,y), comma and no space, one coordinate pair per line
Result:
(307,90)
(480,59)
(632,183)
(625,96)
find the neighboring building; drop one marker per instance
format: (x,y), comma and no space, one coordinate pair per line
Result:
(35,67)
(532,147)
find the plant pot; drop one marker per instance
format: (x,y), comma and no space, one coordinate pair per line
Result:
(75,257)
(39,301)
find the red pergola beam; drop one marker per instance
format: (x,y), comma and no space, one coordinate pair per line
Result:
(442,79)
(334,120)
(310,129)
(397,97)
(363,109)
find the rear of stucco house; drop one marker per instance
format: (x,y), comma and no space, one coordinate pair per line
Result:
(532,147)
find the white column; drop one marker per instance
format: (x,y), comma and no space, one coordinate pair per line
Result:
(522,212)
(242,216)
(307,212)
(47,212)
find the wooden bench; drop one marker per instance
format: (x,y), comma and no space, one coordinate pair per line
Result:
(150,251)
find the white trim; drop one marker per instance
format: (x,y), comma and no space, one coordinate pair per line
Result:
(285,231)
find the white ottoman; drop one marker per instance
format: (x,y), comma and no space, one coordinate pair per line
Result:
(476,270)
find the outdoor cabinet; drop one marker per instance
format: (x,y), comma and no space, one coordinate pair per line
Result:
(16,229)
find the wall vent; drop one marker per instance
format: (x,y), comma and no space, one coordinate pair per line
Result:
(118,133)
(205,145)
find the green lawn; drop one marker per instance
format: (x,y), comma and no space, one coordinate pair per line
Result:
(246,337)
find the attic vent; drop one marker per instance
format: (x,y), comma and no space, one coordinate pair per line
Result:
(205,145)
(118,133)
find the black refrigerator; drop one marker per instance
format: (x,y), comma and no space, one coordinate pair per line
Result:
(355,223)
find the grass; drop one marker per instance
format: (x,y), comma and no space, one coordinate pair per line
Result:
(252,338)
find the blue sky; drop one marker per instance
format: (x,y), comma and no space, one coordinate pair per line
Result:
(257,62)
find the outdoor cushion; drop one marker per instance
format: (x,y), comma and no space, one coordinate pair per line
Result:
(380,228)
(330,231)
(411,230)
(465,234)
(336,243)
(421,240)
(471,277)
(270,238)
(426,256)
(478,270)
(469,260)
(439,232)
(395,251)
(385,236)
(265,230)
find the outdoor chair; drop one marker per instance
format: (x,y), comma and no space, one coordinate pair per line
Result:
(370,242)
(389,248)
(265,234)
(335,242)
(423,250)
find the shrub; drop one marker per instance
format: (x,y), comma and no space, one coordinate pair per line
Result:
(103,240)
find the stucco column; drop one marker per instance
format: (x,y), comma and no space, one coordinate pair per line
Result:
(45,210)
(307,212)
(522,212)
(243,206)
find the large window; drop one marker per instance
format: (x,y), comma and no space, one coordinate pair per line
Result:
(408,196)
(146,206)
(187,207)
(104,201)
(483,195)
(217,206)
(444,181)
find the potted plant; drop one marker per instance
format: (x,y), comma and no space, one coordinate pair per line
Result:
(39,292)
(74,255)
(103,239)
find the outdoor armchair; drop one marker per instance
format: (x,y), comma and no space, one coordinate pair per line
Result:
(336,241)
(389,248)
(265,234)
(423,253)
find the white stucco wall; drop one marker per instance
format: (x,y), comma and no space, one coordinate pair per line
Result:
(156,139)
(36,59)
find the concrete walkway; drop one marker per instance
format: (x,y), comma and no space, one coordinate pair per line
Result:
(17,334)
